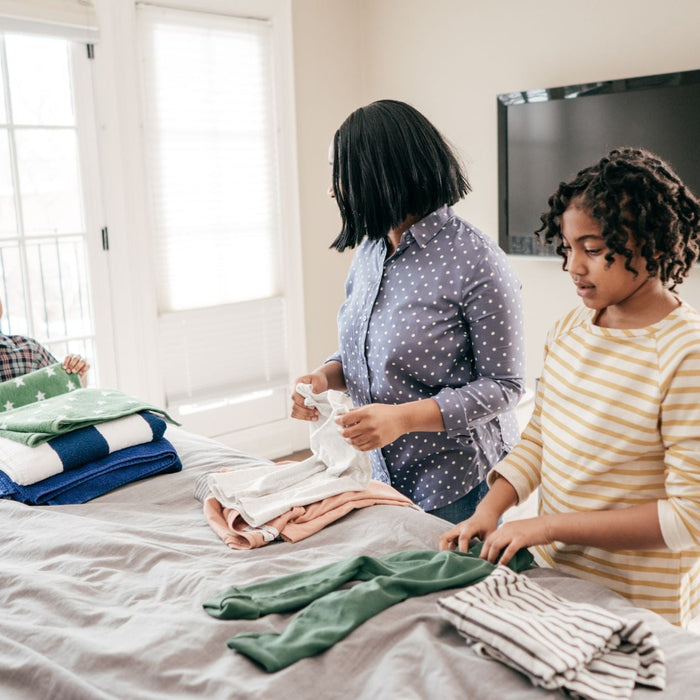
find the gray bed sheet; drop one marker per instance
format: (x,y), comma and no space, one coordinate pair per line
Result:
(104,600)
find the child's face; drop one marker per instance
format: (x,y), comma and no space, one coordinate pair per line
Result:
(598,283)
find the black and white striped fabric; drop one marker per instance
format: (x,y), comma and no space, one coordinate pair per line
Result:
(581,649)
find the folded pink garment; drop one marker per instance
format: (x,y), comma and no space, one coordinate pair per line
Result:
(300,521)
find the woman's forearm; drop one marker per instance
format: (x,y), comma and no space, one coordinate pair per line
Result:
(333,372)
(423,415)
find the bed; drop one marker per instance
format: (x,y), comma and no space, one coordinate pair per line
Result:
(104,600)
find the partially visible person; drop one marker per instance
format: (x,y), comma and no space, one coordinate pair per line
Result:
(614,440)
(20,355)
(431,346)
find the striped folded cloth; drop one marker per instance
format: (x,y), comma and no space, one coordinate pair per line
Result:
(98,477)
(26,465)
(558,644)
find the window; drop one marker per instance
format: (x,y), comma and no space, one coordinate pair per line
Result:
(211,101)
(44,281)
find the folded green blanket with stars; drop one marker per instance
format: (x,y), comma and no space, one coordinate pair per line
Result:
(42,420)
(36,386)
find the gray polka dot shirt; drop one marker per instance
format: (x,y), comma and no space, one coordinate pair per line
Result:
(439,318)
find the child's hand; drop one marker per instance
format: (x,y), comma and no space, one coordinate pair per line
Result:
(75,364)
(515,535)
(479,526)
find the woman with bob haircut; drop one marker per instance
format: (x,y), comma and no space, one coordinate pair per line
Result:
(430,333)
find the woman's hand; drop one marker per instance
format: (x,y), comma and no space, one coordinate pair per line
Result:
(319,384)
(75,364)
(480,526)
(372,426)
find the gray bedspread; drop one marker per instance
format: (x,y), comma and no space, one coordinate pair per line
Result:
(104,600)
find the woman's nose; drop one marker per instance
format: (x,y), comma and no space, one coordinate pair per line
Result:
(331,192)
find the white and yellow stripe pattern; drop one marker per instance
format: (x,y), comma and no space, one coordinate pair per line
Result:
(617,423)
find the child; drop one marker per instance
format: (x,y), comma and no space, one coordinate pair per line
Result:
(614,440)
(20,355)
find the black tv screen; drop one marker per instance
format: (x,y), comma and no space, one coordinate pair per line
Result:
(548,135)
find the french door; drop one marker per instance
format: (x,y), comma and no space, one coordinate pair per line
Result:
(52,246)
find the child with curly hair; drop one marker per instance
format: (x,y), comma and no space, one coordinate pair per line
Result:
(614,440)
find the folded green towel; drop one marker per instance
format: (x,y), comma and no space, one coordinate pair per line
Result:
(38,422)
(36,386)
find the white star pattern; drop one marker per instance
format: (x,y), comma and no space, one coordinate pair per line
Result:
(9,406)
(40,396)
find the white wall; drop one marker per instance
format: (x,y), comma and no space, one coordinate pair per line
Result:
(450,58)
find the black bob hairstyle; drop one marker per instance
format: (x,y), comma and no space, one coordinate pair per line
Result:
(632,190)
(389,163)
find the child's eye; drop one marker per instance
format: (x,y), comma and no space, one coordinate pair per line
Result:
(593,251)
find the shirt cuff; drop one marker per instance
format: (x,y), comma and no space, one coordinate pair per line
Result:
(513,477)
(453,416)
(675,534)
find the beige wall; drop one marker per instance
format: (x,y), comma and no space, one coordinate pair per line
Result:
(450,58)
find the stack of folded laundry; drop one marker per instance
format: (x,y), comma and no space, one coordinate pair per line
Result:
(62,444)
(251,506)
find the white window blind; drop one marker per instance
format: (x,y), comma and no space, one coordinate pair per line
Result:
(212,171)
(211,156)
(75,20)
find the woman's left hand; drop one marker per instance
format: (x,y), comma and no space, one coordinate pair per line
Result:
(372,426)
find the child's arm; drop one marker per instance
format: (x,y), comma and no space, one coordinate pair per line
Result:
(627,528)
(75,364)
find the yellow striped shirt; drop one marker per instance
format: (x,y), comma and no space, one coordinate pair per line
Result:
(617,423)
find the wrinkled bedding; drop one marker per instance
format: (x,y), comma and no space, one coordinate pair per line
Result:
(104,600)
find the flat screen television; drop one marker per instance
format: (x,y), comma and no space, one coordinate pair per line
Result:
(548,135)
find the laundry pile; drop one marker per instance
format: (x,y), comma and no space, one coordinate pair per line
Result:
(62,444)
(252,506)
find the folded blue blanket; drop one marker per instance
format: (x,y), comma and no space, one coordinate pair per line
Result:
(26,465)
(98,477)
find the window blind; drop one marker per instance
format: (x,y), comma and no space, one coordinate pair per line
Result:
(213,188)
(211,157)
(75,20)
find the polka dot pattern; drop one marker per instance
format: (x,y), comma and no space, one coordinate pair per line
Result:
(439,318)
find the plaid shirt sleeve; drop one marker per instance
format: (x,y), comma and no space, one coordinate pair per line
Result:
(20,355)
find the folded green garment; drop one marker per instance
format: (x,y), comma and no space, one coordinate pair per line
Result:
(39,385)
(40,421)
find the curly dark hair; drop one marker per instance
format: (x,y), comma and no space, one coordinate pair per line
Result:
(634,191)
(390,162)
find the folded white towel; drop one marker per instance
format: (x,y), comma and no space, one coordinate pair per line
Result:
(557,643)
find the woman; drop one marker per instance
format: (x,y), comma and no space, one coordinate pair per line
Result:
(430,333)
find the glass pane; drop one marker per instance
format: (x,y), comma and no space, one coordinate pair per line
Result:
(14,314)
(39,76)
(212,160)
(47,161)
(58,288)
(8,220)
